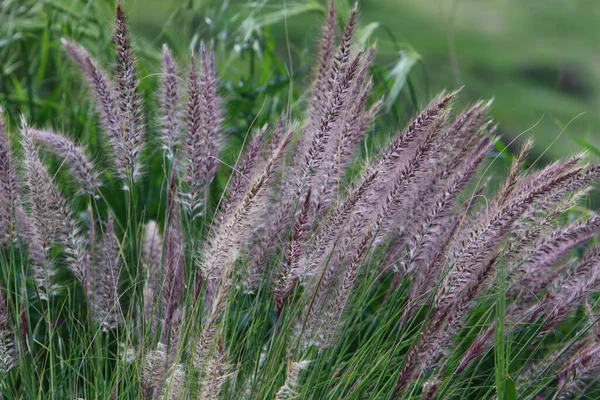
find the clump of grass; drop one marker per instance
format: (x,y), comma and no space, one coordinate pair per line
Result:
(300,279)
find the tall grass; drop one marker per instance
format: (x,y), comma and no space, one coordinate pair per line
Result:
(313,274)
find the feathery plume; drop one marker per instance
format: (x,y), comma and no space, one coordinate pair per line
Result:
(292,380)
(152,259)
(585,364)
(130,105)
(533,272)
(174,387)
(324,129)
(511,180)
(334,267)
(7,356)
(212,118)
(537,282)
(78,257)
(242,173)
(75,158)
(194,143)
(288,278)
(430,389)
(203,140)
(170,133)
(230,234)
(345,288)
(153,368)
(106,104)
(224,246)
(324,59)
(528,233)
(215,376)
(174,275)
(420,125)
(338,77)
(572,290)
(106,281)
(8,186)
(437,230)
(332,225)
(336,151)
(47,209)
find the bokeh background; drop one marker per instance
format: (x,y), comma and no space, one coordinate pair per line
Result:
(538,59)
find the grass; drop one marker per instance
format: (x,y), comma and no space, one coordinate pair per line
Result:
(536,61)
(300,268)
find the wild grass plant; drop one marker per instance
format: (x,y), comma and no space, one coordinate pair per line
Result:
(316,273)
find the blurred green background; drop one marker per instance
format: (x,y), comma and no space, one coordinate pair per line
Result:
(539,59)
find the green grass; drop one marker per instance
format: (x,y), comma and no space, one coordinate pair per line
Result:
(258,83)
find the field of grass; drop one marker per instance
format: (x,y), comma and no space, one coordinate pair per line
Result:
(539,60)
(536,58)
(247,214)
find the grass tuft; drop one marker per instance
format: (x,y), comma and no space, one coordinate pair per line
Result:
(314,272)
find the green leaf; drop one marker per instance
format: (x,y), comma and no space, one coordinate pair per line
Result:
(398,76)
(343,9)
(45,46)
(588,146)
(254,23)
(510,390)
(8,40)
(500,353)
(365,32)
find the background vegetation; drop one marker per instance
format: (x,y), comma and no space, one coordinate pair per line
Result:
(539,59)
